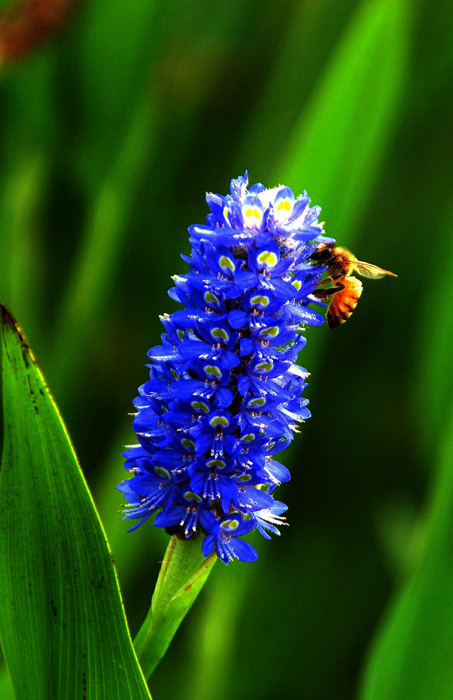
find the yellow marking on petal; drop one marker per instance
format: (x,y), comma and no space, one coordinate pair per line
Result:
(211,298)
(257,402)
(226,262)
(212,370)
(219,420)
(220,333)
(216,463)
(232,524)
(253,213)
(260,299)
(266,366)
(268,258)
(200,406)
(272,331)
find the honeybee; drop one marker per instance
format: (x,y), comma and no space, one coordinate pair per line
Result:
(341,263)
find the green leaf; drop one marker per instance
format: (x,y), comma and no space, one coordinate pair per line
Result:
(6,689)
(434,342)
(21,269)
(62,625)
(182,576)
(113,56)
(342,134)
(411,659)
(87,295)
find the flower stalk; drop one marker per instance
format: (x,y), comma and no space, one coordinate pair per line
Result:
(183,573)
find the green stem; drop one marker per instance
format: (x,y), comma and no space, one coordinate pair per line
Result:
(182,575)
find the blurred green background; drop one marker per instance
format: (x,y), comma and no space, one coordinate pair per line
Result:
(116,118)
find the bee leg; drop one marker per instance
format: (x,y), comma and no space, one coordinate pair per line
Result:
(337,276)
(326,293)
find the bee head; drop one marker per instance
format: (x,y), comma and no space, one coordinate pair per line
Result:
(323,253)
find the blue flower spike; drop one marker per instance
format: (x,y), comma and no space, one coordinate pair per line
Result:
(224,394)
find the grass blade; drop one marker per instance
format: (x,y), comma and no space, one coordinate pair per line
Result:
(408,661)
(95,269)
(343,132)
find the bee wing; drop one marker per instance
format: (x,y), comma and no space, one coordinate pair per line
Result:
(372,272)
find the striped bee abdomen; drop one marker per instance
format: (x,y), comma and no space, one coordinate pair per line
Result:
(344,302)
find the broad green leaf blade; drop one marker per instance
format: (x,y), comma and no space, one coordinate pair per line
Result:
(62,625)
(342,134)
(411,659)
(182,576)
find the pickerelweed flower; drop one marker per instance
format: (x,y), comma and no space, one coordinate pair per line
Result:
(225,395)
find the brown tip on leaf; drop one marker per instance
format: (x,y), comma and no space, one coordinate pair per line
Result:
(8,320)
(7,317)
